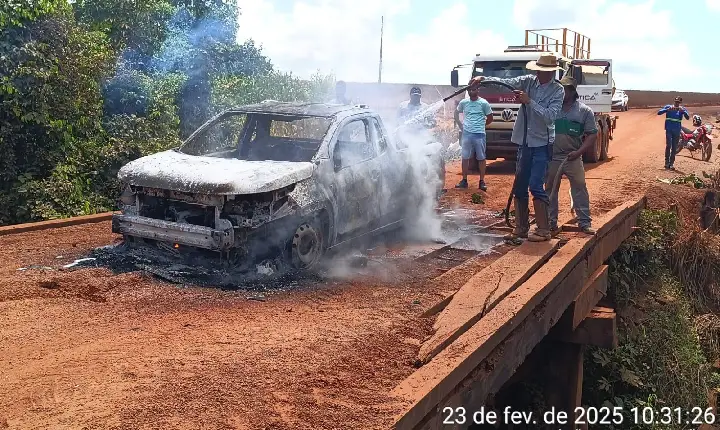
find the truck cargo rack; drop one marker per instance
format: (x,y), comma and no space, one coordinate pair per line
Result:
(563,41)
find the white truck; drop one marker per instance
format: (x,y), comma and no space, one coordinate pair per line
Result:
(594,77)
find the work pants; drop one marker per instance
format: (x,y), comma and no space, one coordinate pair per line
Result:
(575,172)
(530,173)
(672,137)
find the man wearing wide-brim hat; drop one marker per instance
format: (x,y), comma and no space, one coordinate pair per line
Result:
(575,133)
(543,97)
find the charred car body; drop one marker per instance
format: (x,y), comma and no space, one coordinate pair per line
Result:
(273,177)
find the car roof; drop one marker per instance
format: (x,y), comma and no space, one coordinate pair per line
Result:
(325,110)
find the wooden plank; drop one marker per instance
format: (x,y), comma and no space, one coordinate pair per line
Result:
(626,219)
(463,270)
(596,287)
(453,372)
(430,384)
(594,290)
(55,223)
(565,369)
(484,291)
(439,306)
(598,329)
(493,372)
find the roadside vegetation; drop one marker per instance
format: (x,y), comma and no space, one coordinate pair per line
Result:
(664,282)
(87,86)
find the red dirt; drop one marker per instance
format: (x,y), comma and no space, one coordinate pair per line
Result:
(90,349)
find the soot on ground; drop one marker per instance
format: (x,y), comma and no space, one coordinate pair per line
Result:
(383,257)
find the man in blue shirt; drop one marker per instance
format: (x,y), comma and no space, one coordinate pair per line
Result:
(543,97)
(673,125)
(477,114)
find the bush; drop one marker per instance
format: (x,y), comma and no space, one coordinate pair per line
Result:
(665,347)
(87,86)
(50,71)
(232,91)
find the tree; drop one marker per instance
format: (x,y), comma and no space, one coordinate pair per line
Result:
(137,27)
(50,101)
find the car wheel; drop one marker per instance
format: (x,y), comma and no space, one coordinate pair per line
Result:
(308,244)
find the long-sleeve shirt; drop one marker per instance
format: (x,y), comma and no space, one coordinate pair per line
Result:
(544,107)
(673,118)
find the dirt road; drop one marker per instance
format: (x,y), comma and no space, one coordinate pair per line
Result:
(92,349)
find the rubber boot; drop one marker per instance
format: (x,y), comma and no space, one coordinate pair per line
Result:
(542,232)
(522,223)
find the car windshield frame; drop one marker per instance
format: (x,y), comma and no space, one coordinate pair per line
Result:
(260,135)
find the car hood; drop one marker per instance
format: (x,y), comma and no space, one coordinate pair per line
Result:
(173,170)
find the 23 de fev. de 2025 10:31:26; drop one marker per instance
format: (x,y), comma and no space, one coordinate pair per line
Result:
(695,416)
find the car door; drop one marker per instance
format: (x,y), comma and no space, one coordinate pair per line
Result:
(357,176)
(393,172)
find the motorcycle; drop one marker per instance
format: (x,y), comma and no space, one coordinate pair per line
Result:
(698,140)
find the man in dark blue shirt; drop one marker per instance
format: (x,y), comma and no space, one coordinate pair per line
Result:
(673,126)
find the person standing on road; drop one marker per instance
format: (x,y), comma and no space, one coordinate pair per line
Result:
(575,133)
(477,114)
(340,96)
(673,125)
(543,97)
(409,108)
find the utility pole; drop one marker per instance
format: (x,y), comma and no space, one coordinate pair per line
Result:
(382,24)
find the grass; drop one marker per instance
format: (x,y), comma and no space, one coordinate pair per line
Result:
(669,331)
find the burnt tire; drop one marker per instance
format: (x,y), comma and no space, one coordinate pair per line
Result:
(308,244)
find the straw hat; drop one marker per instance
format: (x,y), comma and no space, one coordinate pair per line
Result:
(546,63)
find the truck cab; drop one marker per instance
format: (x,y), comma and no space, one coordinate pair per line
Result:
(595,87)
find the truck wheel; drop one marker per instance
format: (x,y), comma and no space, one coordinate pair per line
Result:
(593,156)
(308,244)
(605,147)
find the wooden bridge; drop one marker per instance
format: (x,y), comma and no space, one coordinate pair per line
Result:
(487,333)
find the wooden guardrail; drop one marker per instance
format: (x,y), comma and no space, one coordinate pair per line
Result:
(55,223)
(473,358)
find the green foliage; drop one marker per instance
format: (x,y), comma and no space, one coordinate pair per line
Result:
(87,86)
(138,25)
(18,13)
(232,91)
(50,100)
(659,361)
(642,255)
(690,179)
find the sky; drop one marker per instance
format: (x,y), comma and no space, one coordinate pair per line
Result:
(654,44)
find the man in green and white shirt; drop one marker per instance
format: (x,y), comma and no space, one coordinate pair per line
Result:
(575,133)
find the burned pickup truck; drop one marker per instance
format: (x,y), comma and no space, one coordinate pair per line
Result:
(278,178)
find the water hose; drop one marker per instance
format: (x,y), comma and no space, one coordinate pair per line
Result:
(519,161)
(524,144)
